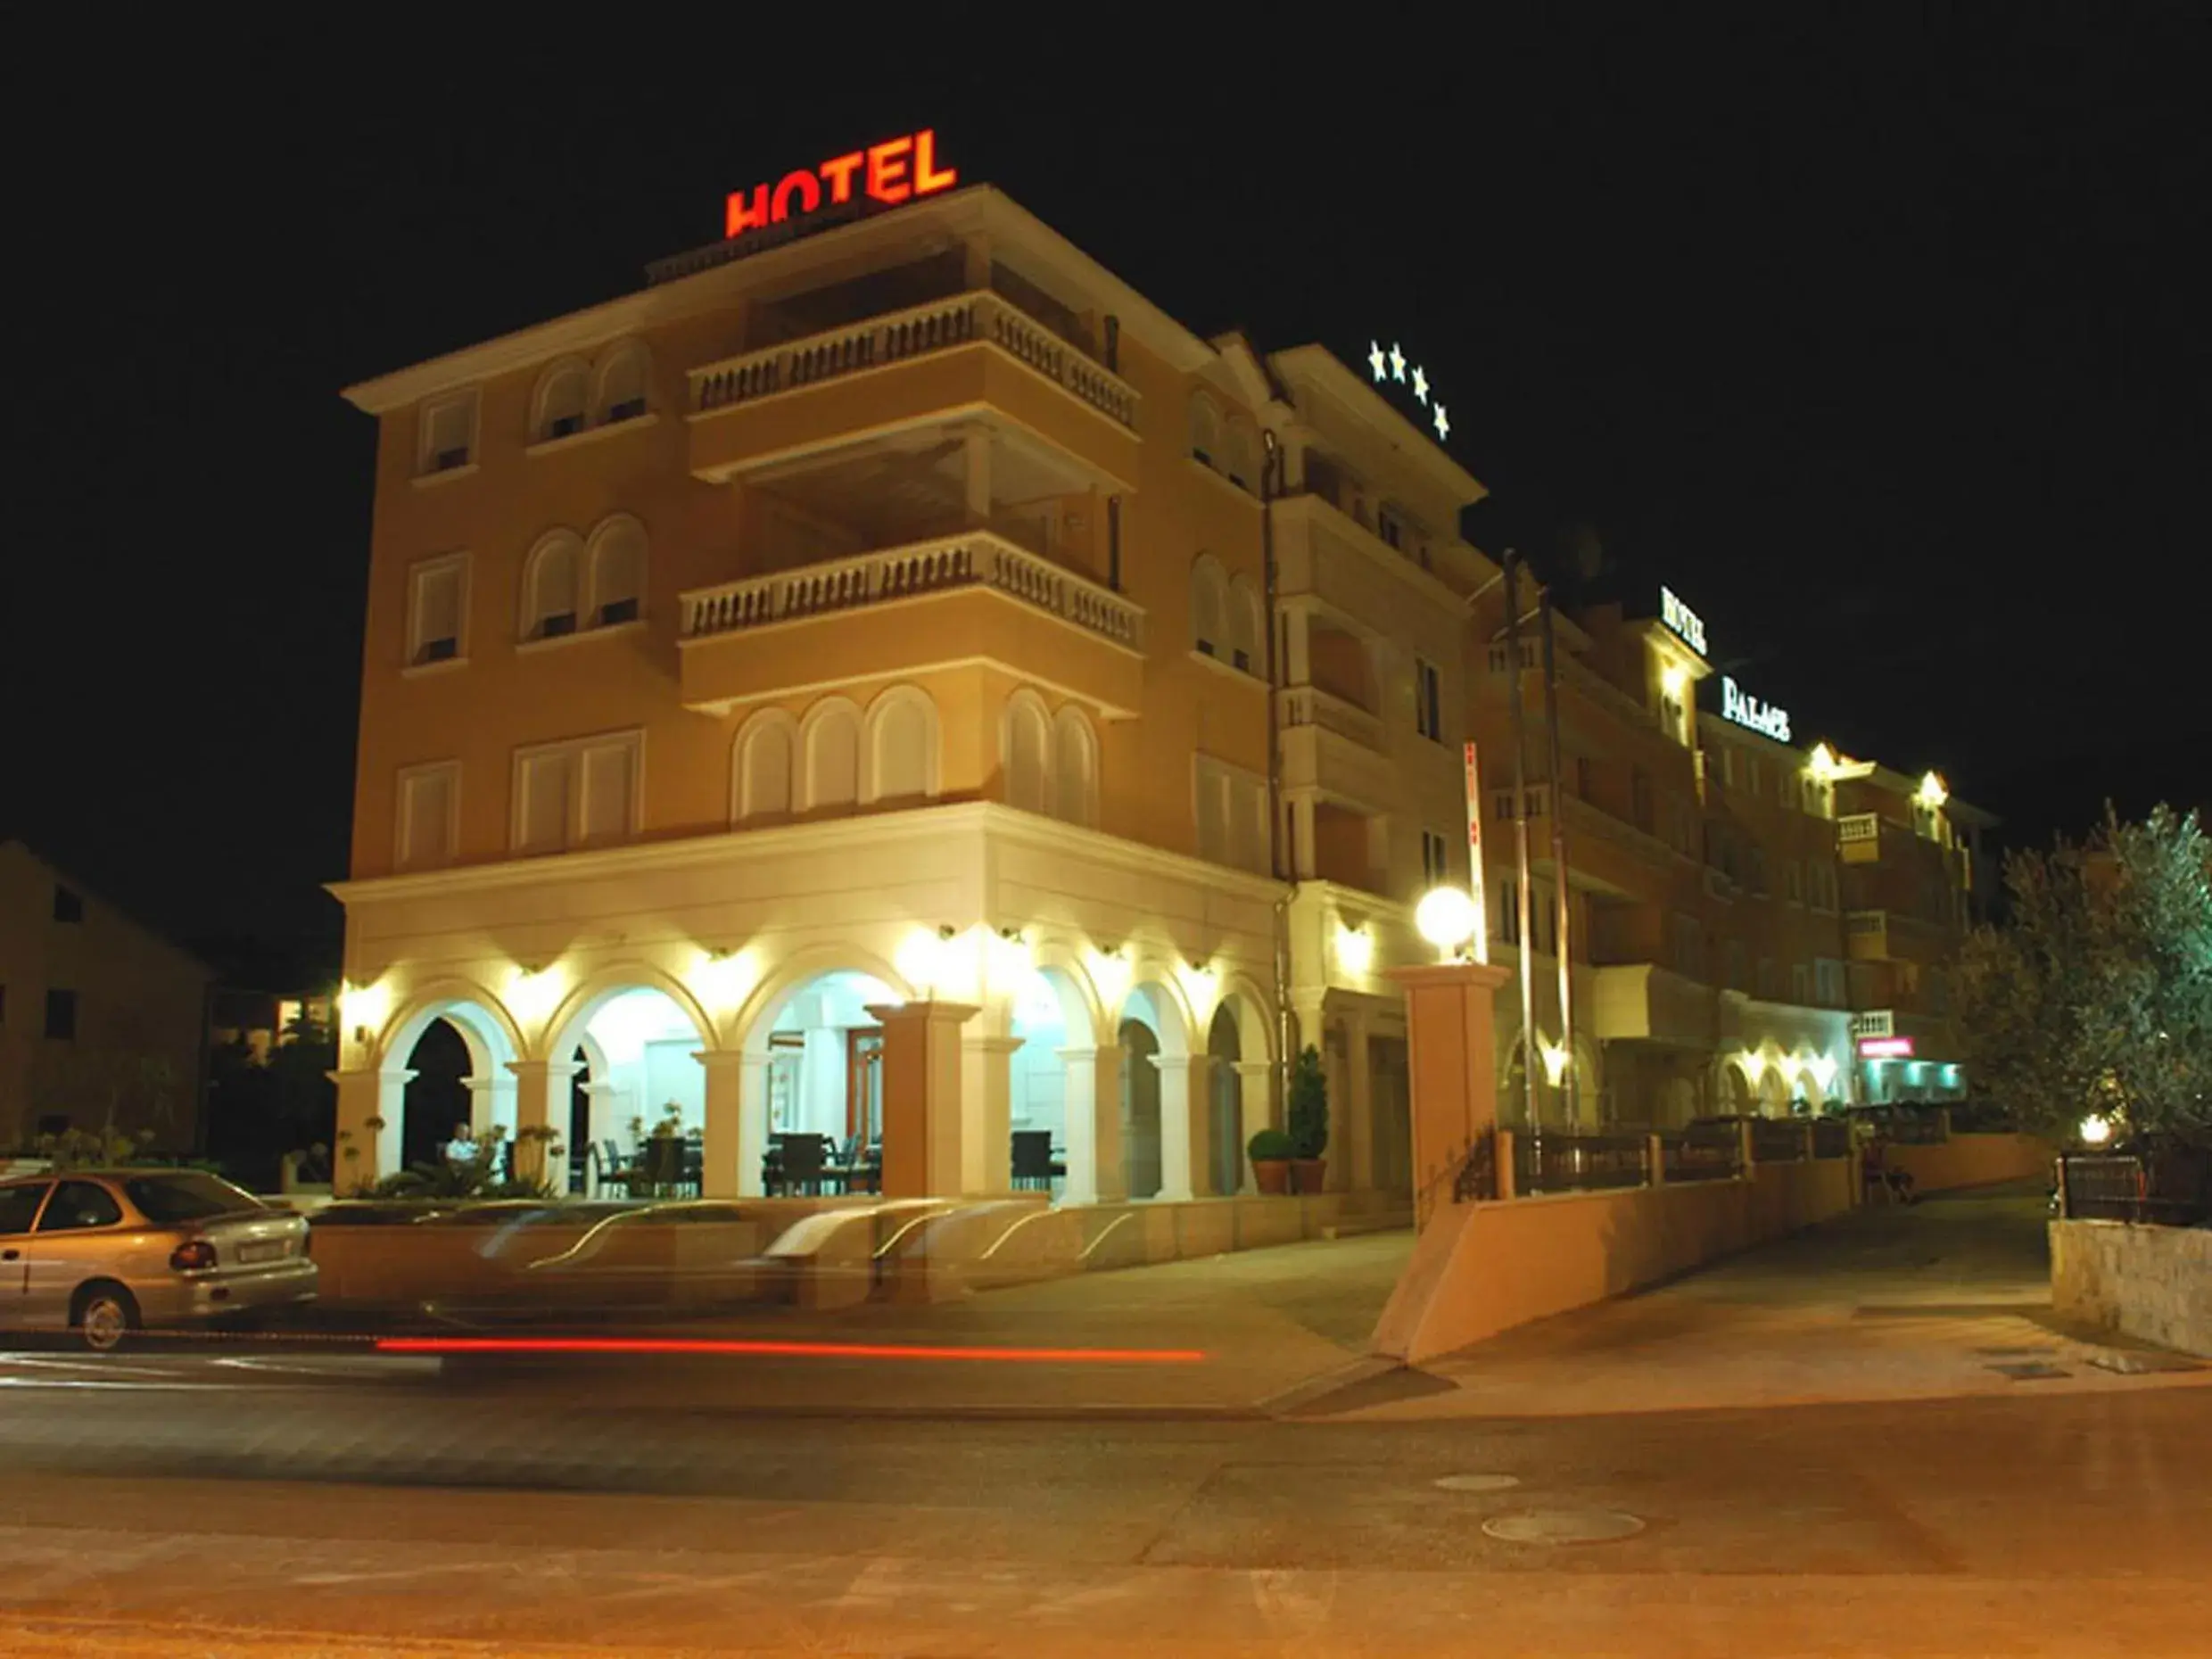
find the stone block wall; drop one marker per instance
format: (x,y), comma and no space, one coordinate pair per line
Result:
(2154,1283)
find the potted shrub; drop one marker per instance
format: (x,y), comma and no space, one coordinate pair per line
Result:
(1308,1124)
(1270,1152)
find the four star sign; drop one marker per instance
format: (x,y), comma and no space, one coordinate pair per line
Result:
(1391,366)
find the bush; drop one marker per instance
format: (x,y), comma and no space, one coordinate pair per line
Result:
(1270,1146)
(1309,1106)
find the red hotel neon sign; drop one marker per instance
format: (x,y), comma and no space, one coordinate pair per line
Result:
(898,170)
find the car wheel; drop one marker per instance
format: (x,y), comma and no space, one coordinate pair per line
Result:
(105,1315)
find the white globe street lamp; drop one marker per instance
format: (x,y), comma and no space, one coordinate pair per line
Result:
(1445,919)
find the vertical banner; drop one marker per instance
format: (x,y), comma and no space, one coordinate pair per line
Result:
(1475,881)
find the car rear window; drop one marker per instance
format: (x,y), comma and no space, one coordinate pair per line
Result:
(187,1197)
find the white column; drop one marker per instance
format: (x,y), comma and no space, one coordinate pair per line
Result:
(736,1101)
(492,1105)
(1182,1172)
(1093,1096)
(987,1112)
(823,1083)
(542,1090)
(371,1102)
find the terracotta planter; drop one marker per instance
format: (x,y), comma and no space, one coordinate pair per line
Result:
(1273,1176)
(1311,1172)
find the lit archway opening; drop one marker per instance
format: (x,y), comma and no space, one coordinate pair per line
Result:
(1151,1027)
(458,1054)
(1048,1017)
(1225,1102)
(637,1100)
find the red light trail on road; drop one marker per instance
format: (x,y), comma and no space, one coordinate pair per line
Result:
(738,1349)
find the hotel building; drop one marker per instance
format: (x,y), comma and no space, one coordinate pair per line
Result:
(896,683)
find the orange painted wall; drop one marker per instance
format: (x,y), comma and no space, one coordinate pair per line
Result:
(1973,1160)
(1481,1268)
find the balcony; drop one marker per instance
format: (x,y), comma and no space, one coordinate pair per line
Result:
(1309,705)
(1866,935)
(1859,838)
(924,365)
(955,600)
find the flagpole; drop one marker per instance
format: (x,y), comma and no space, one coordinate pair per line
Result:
(1521,843)
(1559,866)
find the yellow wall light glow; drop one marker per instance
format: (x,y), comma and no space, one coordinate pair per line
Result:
(364,1007)
(1355,951)
(921,959)
(723,979)
(1111,973)
(533,994)
(1673,678)
(1932,791)
(1754,1064)
(1555,1060)
(1823,1069)
(2095,1131)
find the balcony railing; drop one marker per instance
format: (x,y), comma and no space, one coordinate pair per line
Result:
(900,336)
(979,559)
(1310,705)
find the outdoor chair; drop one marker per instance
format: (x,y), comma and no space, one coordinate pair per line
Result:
(805,1162)
(1033,1159)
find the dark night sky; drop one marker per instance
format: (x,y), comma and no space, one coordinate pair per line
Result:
(1883,342)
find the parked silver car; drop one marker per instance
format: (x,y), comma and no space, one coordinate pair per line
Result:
(106,1252)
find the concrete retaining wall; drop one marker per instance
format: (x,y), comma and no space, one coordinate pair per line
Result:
(1972,1160)
(2150,1282)
(1481,1268)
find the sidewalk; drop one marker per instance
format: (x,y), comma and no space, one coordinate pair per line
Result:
(1947,1296)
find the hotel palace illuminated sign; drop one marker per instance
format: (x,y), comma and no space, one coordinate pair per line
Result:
(898,170)
(1750,712)
(1683,623)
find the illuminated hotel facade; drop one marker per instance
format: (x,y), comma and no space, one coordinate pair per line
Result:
(839,687)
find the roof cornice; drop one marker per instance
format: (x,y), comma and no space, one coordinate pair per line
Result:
(1318,366)
(979,209)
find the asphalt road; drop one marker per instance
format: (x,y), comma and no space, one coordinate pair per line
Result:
(304,1504)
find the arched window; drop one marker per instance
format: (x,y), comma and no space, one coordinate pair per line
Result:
(1209,602)
(1075,767)
(902,747)
(623,372)
(1242,461)
(563,404)
(762,764)
(830,736)
(1246,631)
(1026,753)
(1205,430)
(618,571)
(551,576)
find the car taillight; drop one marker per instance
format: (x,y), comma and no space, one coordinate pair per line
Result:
(192,1257)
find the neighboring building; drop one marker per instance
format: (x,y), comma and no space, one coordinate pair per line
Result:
(849,658)
(103,1022)
(265,1020)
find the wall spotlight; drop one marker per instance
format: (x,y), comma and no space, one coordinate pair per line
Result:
(947,932)
(1012,936)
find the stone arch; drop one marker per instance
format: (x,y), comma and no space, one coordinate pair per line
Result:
(900,750)
(829,753)
(615,571)
(1155,1000)
(493,1040)
(1026,752)
(764,768)
(623,388)
(750,1026)
(1206,431)
(1254,1012)
(565,1028)
(561,406)
(1245,627)
(552,588)
(1241,456)
(1075,767)
(1083,1009)
(1209,606)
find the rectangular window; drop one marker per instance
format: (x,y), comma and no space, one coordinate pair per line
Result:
(437,610)
(1829,980)
(430,804)
(69,904)
(448,434)
(1435,859)
(1689,947)
(582,793)
(1388,526)
(61,1015)
(1728,764)
(1508,892)
(1428,700)
(1800,984)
